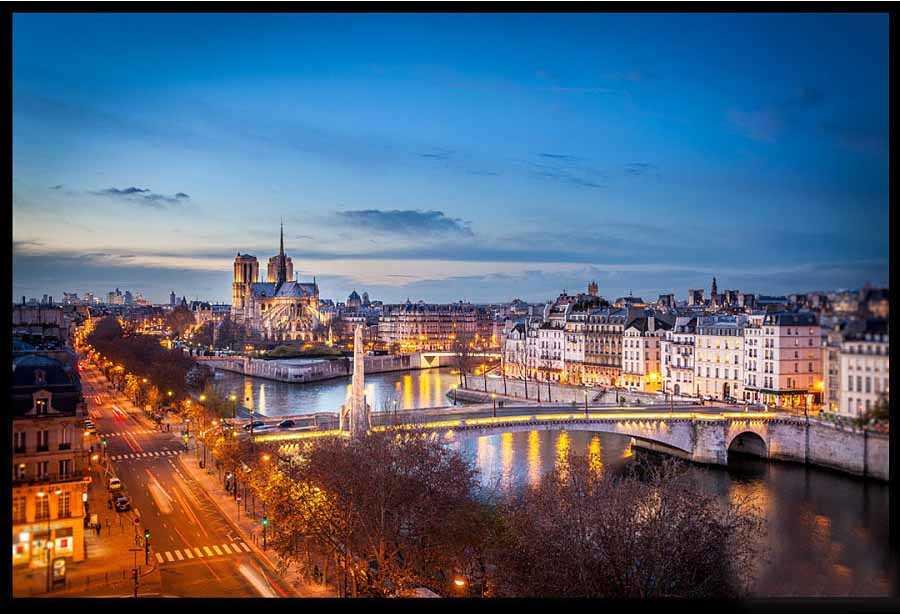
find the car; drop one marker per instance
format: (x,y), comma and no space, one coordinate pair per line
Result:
(122,503)
(114,484)
(254,425)
(287,424)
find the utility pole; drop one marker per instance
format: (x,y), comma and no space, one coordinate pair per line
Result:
(134,570)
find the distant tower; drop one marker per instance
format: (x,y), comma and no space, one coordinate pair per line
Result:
(593,289)
(172,298)
(714,293)
(246,271)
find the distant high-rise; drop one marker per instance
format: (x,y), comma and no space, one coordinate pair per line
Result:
(714,292)
(172,299)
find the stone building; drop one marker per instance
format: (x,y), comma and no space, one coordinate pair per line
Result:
(422,326)
(865,366)
(789,364)
(279,310)
(641,352)
(603,346)
(49,463)
(718,357)
(677,356)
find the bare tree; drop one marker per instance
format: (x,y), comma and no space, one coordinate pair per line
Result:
(644,534)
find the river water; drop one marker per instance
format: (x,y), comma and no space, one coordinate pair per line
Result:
(827,534)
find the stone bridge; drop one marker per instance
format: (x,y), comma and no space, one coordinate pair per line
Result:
(704,435)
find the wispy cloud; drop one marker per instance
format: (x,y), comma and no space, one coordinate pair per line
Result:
(143,196)
(58,186)
(406,222)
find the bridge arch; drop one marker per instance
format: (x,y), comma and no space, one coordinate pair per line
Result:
(748,442)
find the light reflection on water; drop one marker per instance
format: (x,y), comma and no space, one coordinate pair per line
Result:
(410,389)
(827,533)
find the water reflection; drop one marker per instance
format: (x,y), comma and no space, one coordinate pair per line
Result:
(384,391)
(826,533)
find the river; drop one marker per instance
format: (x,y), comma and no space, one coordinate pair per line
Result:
(827,533)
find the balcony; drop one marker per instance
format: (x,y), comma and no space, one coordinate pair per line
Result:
(52,478)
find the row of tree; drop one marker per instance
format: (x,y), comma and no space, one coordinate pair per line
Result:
(401,510)
(142,357)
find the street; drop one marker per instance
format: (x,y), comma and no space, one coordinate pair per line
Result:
(198,551)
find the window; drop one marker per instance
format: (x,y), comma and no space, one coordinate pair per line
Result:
(19,441)
(43,441)
(810,368)
(20,473)
(868,388)
(850,383)
(18,509)
(859,383)
(41,470)
(64,468)
(40,406)
(64,509)
(42,508)
(65,438)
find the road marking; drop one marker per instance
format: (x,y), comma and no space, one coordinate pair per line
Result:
(199,552)
(216,548)
(244,546)
(178,554)
(208,551)
(159,557)
(169,556)
(188,552)
(226,548)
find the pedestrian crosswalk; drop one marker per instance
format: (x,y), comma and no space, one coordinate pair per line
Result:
(139,455)
(131,432)
(201,552)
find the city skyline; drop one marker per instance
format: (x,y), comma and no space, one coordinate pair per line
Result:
(409,163)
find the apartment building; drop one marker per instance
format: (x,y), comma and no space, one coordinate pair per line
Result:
(677,356)
(50,465)
(865,366)
(718,357)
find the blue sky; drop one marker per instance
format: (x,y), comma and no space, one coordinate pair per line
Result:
(447,157)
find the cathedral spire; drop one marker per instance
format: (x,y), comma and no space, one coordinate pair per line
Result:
(282,261)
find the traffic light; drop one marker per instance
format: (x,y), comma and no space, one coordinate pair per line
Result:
(147,535)
(265,521)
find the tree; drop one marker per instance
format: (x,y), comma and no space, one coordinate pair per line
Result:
(461,346)
(644,534)
(879,412)
(179,319)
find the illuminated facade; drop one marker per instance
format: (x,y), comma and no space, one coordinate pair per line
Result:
(865,366)
(788,362)
(416,327)
(641,353)
(718,357)
(50,465)
(677,357)
(279,310)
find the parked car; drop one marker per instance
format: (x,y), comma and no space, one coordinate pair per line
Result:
(122,503)
(89,426)
(287,424)
(114,484)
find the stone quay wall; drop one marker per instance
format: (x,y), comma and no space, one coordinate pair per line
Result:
(312,372)
(562,393)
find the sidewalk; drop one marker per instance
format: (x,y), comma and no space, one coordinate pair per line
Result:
(107,567)
(248,526)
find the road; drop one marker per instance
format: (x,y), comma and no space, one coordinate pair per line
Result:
(197,549)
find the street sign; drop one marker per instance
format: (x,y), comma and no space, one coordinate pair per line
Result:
(137,521)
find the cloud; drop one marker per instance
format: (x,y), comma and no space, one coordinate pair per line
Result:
(637,168)
(438,154)
(406,222)
(143,196)
(557,156)
(58,186)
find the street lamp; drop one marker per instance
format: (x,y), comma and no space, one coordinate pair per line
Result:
(233,399)
(494,402)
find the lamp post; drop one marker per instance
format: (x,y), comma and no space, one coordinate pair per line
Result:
(233,400)
(494,402)
(585,405)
